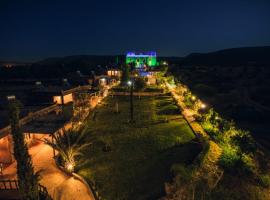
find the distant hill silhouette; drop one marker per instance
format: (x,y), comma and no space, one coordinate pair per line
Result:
(60,67)
(82,60)
(13,63)
(234,56)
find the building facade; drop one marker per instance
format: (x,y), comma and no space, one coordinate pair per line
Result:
(141,60)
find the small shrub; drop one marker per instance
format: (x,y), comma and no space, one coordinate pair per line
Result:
(187,99)
(207,126)
(226,125)
(188,103)
(217,137)
(247,165)
(229,159)
(232,161)
(213,131)
(198,118)
(264,180)
(245,141)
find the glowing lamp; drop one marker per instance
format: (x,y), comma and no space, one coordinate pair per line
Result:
(129,83)
(203,106)
(11,97)
(70,166)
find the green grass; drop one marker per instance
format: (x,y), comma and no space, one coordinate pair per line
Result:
(142,153)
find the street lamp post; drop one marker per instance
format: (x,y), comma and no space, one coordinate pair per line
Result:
(131,84)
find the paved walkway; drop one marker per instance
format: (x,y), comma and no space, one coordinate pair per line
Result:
(187,113)
(59,185)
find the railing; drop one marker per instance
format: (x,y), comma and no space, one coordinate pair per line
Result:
(9,185)
(30,117)
(14,185)
(84,87)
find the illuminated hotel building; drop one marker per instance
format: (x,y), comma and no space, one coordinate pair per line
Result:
(142,59)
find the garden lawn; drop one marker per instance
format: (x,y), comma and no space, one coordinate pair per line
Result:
(138,158)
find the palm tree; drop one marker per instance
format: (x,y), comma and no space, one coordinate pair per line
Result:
(69,145)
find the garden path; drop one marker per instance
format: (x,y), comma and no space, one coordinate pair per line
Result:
(59,185)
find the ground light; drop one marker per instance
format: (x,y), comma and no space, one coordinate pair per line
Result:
(70,166)
(203,106)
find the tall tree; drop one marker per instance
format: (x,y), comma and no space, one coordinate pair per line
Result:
(28,179)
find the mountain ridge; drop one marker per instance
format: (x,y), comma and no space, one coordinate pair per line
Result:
(232,56)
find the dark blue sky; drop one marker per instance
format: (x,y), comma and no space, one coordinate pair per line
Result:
(35,29)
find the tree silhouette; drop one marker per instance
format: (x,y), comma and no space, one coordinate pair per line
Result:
(126,74)
(28,179)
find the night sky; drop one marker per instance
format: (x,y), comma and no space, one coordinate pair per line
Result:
(35,29)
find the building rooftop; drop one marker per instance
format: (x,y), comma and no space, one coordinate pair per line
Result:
(145,54)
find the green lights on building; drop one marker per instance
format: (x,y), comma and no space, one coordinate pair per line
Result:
(141,60)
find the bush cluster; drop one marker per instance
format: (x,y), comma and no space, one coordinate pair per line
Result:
(238,145)
(264,180)
(236,163)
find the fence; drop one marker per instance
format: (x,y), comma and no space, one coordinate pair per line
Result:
(9,185)
(5,131)
(14,185)
(79,88)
